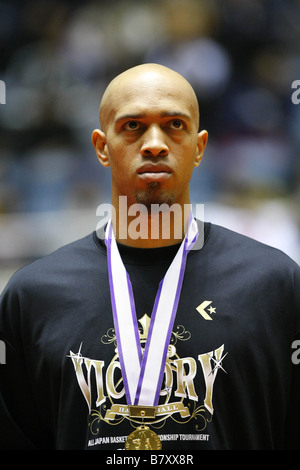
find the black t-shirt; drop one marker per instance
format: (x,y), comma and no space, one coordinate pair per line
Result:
(229,383)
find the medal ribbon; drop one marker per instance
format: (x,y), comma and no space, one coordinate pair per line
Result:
(143,373)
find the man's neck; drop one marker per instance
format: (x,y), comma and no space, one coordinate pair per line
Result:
(153,227)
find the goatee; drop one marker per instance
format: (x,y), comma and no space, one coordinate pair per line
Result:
(153,195)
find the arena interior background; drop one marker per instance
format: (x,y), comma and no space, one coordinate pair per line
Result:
(241,56)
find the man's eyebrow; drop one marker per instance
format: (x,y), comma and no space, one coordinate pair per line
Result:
(131,116)
(135,116)
(176,114)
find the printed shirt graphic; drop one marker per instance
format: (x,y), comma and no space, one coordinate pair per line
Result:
(179,402)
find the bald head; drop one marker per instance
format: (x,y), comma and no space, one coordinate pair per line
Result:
(142,78)
(149,115)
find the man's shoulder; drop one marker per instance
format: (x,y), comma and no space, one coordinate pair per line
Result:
(239,245)
(64,260)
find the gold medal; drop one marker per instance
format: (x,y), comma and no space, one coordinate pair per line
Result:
(143,439)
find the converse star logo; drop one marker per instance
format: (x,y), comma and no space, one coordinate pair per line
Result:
(203,309)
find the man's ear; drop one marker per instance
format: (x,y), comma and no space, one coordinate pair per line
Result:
(202,140)
(99,142)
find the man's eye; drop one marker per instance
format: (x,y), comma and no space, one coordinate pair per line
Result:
(131,126)
(176,124)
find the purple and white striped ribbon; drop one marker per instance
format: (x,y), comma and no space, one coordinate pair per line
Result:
(143,373)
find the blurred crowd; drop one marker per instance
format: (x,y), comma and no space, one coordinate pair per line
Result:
(57,56)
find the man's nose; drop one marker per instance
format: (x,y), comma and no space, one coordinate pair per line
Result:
(154,144)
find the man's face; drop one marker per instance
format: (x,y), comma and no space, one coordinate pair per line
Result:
(150,139)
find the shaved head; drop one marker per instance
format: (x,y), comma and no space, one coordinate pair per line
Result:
(149,136)
(145,76)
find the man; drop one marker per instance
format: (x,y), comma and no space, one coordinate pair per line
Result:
(119,341)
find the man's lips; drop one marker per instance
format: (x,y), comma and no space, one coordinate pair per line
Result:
(156,172)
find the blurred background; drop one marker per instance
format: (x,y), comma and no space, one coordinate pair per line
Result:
(241,56)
